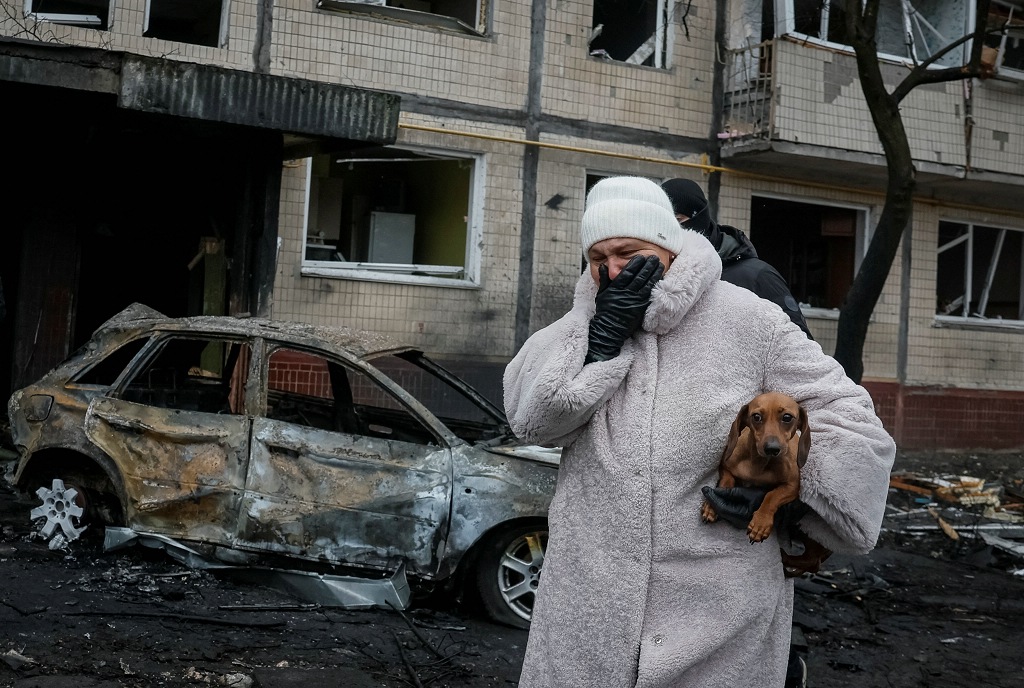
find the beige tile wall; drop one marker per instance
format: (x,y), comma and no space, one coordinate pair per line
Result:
(978,357)
(481,322)
(675,100)
(819,102)
(125,33)
(361,50)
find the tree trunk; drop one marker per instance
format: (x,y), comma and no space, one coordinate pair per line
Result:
(867,286)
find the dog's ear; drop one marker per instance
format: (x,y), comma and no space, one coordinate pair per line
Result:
(804,447)
(735,431)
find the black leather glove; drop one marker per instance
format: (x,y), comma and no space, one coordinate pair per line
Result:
(735,505)
(621,304)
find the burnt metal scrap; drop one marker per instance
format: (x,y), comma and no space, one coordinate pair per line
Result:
(328,590)
(284,448)
(959,507)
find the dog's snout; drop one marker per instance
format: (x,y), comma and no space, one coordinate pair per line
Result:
(772,448)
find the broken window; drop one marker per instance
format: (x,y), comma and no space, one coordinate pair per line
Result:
(979,272)
(444,395)
(308,389)
(91,13)
(633,32)
(105,372)
(816,248)
(1008,44)
(906,28)
(406,214)
(468,16)
(193,374)
(199,22)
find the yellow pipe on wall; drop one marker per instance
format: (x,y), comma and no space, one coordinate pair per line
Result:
(703,166)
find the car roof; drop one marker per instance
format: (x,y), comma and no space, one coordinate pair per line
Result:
(359,343)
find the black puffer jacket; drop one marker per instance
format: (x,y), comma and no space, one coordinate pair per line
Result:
(742,267)
(740,264)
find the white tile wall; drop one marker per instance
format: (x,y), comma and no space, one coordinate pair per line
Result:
(819,102)
(125,33)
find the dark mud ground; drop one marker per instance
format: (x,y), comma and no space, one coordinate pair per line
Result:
(922,611)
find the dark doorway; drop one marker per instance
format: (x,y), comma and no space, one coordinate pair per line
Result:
(813,246)
(112,207)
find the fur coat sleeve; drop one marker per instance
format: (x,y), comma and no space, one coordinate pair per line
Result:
(846,477)
(549,394)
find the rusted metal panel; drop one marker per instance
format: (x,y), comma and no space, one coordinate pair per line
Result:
(183,471)
(207,92)
(265,101)
(340,498)
(360,343)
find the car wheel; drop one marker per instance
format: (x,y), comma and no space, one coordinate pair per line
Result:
(508,574)
(61,514)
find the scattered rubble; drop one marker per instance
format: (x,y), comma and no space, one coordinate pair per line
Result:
(963,508)
(922,609)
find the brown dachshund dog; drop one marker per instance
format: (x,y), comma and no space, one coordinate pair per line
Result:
(767,446)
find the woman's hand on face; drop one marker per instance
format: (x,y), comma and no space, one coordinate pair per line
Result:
(620,305)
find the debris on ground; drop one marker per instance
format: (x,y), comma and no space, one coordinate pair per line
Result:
(980,514)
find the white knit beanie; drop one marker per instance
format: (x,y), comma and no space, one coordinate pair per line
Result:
(631,207)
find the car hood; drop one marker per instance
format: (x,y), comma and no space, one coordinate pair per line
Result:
(533,452)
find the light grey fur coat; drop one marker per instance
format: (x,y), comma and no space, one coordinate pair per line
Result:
(636,589)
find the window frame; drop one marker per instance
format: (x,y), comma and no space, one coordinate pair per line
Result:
(785,25)
(445,438)
(403,273)
(160,339)
(664,38)
(967,319)
(85,21)
(222,32)
(482,29)
(1000,71)
(75,381)
(862,239)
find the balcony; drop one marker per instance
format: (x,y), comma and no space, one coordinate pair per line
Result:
(749,93)
(793,109)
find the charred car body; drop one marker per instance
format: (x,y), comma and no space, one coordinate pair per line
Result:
(322,449)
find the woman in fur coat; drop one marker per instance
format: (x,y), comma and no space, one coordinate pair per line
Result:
(640,382)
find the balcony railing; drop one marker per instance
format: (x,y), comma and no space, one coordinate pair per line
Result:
(749,92)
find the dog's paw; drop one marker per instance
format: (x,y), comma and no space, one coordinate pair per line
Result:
(708,513)
(759,529)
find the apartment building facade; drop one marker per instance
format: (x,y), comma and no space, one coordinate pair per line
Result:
(455,226)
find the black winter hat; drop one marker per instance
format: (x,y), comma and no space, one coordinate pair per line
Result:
(687,197)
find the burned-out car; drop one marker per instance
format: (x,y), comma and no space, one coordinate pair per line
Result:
(324,450)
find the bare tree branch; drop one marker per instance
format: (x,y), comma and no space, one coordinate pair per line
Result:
(921,74)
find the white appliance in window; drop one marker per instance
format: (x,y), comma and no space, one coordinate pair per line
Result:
(391,237)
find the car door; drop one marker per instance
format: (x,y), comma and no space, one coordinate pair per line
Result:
(342,470)
(176,428)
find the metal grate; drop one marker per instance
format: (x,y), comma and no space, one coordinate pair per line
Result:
(749,92)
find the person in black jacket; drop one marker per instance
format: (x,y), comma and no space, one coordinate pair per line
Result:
(740,264)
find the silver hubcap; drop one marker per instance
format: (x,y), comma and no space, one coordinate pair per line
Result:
(519,572)
(58,508)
